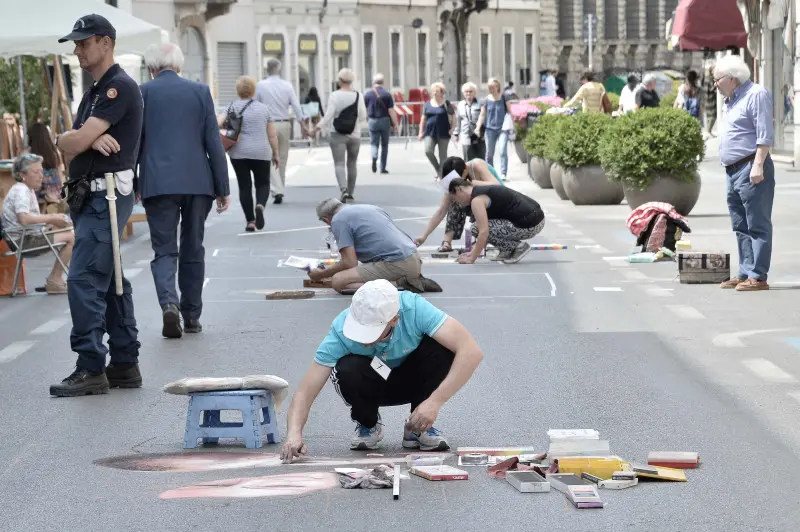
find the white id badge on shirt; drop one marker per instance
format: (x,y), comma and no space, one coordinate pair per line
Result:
(379,366)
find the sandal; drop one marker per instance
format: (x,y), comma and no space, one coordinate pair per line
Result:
(251,227)
(446,247)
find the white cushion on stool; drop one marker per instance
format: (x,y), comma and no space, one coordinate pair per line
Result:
(276,385)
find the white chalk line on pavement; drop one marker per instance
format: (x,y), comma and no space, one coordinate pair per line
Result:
(686,312)
(14,350)
(735,339)
(317,227)
(608,289)
(51,326)
(346,298)
(768,371)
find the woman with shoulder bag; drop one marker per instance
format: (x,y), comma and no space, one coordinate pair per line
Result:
(467,115)
(252,142)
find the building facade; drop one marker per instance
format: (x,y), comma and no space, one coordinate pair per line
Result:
(631,35)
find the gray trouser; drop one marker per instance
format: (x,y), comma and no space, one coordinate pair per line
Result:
(430,145)
(278,182)
(345,148)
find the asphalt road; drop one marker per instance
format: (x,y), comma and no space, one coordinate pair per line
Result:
(573,339)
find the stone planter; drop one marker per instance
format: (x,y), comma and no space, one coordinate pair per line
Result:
(521,153)
(539,169)
(588,185)
(680,194)
(556,176)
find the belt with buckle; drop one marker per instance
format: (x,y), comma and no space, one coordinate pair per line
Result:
(740,162)
(97,184)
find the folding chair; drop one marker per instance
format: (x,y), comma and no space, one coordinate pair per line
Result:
(16,244)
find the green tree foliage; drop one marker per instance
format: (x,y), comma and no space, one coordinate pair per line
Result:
(579,138)
(35,88)
(651,142)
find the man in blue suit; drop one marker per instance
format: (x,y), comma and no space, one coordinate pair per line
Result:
(182,169)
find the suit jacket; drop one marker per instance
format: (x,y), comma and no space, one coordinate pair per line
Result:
(180,148)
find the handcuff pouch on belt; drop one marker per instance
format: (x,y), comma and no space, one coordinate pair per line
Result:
(78,190)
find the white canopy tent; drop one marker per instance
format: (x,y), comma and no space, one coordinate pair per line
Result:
(33,27)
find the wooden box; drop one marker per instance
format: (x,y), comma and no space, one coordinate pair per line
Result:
(695,267)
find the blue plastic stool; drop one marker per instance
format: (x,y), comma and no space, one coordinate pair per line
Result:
(211,428)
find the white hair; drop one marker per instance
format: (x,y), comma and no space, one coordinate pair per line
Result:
(346,76)
(648,79)
(273,67)
(733,66)
(166,55)
(378,79)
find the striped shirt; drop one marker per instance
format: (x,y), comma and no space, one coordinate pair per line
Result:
(591,94)
(253,142)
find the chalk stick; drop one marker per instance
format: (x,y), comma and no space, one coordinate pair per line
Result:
(396,487)
(290,294)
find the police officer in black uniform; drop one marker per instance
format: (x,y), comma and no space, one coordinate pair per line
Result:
(104,139)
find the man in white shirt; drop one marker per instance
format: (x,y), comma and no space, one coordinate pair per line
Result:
(550,87)
(627,99)
(278,94)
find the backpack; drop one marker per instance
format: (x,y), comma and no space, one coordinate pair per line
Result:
(661,232)
(232,127)
(345,123)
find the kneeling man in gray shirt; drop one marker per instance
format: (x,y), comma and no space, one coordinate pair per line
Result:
(366,234)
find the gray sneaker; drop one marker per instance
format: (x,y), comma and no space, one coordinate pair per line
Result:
(522,249)
(430,440)
(366,438)
(500,255)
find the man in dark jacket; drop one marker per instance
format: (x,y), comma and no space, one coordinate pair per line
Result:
(182,169)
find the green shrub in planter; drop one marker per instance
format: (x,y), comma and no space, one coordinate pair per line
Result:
(668,100)
(614,98)
(579,137)
(640,146)
(552,141)
(536,137)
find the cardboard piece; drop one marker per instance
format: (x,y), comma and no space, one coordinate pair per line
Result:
(674,459)
(603,467)
(290,294)
(660,473)
(442,472)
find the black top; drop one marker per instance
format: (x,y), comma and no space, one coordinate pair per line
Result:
(647,98)
(115,98)
(508,204)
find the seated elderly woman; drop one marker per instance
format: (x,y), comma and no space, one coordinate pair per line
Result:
(21,212)
(503,218)
(475,171)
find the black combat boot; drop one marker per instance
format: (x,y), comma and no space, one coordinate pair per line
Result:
(81,382)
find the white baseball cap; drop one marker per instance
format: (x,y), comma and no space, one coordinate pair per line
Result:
(374,305)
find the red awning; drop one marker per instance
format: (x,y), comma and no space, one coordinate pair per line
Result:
(712,24)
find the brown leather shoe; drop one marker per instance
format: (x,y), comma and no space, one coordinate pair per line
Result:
(752,285)
(733,282)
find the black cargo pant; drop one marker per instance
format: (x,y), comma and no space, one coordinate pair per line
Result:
(364,390)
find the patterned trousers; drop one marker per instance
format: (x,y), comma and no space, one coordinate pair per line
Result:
(456,219)
(505,236)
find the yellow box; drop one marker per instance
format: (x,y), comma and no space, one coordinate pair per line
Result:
(603,467)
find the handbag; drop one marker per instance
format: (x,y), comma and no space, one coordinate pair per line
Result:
(232,127)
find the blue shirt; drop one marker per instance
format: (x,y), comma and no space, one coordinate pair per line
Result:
(378,102)
(495,113)
(418,318)
(371,233)
(747,123)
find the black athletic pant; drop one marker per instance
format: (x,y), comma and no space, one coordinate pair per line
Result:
(364,390)
(260,170)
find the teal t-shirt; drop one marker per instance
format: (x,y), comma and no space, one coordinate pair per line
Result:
(418,318)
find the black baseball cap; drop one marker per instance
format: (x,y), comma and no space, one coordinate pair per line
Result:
(88,26)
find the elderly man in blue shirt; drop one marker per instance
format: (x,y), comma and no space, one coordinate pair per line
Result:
(745,139)
(389,348)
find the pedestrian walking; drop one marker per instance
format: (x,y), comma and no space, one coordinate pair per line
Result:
(346,114)
(647,96)
(382,119)
(468,112)
(493,121)
(437,126)
(257,145)
(745,139)
(182,169)
(278,95)
(689,98)
(104,140)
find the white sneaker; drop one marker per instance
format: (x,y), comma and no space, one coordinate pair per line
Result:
(430,440)
(366,438)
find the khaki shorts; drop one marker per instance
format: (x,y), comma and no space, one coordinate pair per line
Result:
(410,268)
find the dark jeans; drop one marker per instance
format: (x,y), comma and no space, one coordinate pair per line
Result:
(750,207)
(164,213)
(93,302)
(379,136)
(260,171)
(474,151)
(363,390)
